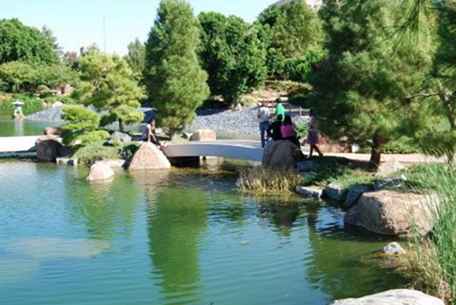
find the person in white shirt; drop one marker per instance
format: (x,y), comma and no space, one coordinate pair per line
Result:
(263,117)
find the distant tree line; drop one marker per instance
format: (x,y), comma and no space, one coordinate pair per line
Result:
(379,71)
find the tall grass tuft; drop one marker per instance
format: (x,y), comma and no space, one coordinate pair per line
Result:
(261,180)
(434,261)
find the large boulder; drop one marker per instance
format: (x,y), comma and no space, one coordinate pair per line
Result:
(280,155)
(394,213)
(99,172)
(394,297)
(149,157)
(49,148)
(203,135)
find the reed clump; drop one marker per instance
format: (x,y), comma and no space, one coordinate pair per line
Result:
(432,261)
(261,180)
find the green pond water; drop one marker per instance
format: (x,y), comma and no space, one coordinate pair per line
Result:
(171,238)
(15,128)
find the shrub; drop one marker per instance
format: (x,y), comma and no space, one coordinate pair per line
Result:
(82,125)
(89,154)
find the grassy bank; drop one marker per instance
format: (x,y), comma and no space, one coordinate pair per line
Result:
(431,263)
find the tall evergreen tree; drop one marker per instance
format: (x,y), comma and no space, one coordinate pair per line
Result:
(176,83)
(232,54)
(362,89)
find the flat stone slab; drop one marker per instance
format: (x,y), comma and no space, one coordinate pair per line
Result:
(394,297)
(310,192)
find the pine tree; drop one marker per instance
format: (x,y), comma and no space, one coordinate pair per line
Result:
(175,81)
(108,83)
(362,89)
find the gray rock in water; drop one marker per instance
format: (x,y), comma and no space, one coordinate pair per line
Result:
(310,192)
(354,193)
(394,297)
(394,213)
(100,171)
(335,192)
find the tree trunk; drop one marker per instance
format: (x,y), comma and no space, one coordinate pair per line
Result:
(376,152)
(121,126)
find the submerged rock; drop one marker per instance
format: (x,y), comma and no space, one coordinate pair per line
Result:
(100,171)
(51,248)
(394,297)
(17,269)
(149,157)
(393,213)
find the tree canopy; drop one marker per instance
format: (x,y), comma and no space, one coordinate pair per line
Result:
(136,57)
(176,83)
(19,42)
(232,54)
(108,83)
(291,30)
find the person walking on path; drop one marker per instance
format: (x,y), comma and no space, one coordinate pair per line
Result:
(313,137)
(263,117)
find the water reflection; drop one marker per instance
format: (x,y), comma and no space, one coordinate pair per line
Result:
(107,209)
(176,225)
(339,260)
(15,128)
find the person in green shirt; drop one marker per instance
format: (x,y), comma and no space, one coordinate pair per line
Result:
(280,110)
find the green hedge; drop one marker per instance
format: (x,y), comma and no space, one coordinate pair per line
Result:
(31,104)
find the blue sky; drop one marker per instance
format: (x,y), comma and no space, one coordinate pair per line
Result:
(80,22)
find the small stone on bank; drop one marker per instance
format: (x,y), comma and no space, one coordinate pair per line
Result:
(393,249)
